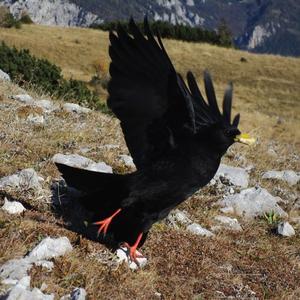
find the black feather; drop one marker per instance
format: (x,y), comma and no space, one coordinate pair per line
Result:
(236,121)
(175,137)
(211,96)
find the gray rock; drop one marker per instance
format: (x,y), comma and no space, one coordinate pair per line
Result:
(75,108)
(22,291)
(24,98)
(128,161)
(288,176)
(228,223)
(36,119)
(45,264)
(251,203)
(13,207)
(199,230)
(26,179)
(15,269)
(4,76)
(78,161)
(285,229)
(235,175)
(177,218)
(85,150)
(227,210)
(50,248)
(78,294)
(9,282)
(47,105)
(123,256)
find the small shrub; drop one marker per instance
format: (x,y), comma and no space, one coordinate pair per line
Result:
(43,75)
(25,19)
(271,217)
(7,20)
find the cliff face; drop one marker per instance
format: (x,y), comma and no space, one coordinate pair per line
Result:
(272,27)
(263,26)
(52,12)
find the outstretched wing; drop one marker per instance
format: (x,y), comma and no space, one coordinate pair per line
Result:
(147,95)
(156,108)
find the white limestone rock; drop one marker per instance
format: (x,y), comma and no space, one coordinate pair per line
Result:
(36,119)
(177,218)
(4,76)
(235,175)
(49,248)
(26,179)
(123,256)
(45,264)
(81,162)
(48,106)
(78,294)
(251,203)
(24,98)
(22,291)
(289,176)
(15,269)
(13,207)
(227,223)
(128,161)
(75,108)
(199,230)
(285,229)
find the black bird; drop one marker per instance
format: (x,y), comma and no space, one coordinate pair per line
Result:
(175,137)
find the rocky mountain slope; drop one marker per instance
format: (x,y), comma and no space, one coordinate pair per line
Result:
(57,12)
(237,238)
(263,26)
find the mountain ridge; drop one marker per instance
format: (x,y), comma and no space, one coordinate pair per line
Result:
(261,26)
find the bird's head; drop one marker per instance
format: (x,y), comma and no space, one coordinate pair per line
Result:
(220,132)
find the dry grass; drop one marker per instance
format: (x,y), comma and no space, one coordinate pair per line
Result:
(181,266)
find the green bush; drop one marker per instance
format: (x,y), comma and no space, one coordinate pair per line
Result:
(25,68)
(25,19)
(7,20)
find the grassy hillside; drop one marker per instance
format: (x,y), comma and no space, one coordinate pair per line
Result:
(181,265)
(265,86)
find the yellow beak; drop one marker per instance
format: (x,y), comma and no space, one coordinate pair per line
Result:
(244,138)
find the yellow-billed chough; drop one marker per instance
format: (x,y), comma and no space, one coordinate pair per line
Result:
(175,137)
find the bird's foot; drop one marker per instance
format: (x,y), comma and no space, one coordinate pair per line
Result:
(105,223)
(133,253)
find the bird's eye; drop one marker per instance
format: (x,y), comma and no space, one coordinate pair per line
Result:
(227,132)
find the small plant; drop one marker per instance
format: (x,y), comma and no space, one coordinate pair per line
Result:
(271,217)
(7,20)
(25,19)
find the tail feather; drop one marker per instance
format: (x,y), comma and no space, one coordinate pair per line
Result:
(87,181)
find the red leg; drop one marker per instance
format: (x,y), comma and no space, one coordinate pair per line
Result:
(132,249)
(105,223)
